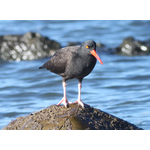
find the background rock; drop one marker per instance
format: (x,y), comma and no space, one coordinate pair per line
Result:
(130,47)
(29,46)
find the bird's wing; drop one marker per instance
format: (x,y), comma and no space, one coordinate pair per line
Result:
(58,62)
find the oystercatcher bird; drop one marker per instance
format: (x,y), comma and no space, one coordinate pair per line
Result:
(73,62)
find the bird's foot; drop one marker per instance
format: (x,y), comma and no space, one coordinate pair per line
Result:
(65,102)
(79,102)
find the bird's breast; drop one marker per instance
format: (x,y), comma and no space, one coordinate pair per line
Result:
(80,67)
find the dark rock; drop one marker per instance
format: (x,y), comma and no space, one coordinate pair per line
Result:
(74,43)
(130,47)
(29,46)
(100,45)
(72,118)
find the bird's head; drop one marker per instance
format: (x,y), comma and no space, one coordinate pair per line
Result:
(90,46)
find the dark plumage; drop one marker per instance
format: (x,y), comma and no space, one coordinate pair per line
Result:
(73,62)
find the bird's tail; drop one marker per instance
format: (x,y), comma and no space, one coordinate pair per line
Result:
(43,66)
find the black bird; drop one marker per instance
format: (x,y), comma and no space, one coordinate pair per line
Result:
(73,62)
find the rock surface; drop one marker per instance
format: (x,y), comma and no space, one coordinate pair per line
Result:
(132,47)
(72,118)
(29,46)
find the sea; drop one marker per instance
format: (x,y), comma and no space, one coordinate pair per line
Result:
(121,86)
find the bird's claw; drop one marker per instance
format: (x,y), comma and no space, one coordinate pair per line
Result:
(79,102)
(65,102)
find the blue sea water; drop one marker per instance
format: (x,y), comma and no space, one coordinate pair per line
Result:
(120,87)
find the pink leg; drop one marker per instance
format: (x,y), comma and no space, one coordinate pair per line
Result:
(79,102)
(64,99)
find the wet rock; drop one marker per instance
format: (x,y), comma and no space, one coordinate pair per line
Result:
(72,118)
(100,45)
(74,43)
(131,47)
(29,46)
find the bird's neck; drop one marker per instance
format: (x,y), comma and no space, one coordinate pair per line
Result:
(81,51)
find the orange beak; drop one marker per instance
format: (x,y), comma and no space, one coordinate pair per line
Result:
(93,52)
